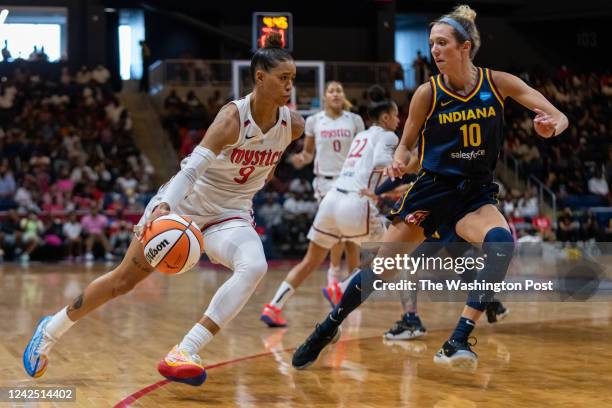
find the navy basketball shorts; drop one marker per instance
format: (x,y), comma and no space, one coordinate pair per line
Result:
(436,200)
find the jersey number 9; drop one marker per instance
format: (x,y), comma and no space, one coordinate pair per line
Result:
(245,172)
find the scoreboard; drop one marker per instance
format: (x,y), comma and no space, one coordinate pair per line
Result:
(264,23)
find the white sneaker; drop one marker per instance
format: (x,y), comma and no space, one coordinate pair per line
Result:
(89,257)
(108,256)
(24,258)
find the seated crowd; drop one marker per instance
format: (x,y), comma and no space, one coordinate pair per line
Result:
(578,166)
(69,167)
(66,153)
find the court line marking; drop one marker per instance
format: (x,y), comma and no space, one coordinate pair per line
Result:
(124,403)
(130,399)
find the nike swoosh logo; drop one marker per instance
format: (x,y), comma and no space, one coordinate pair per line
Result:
(445,103)
(249,137)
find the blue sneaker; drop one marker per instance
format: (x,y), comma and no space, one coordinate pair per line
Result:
(35,355)
(308,352)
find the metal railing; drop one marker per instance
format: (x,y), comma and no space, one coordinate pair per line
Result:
(542,191)
(511,171)
(196,72)
(510,163)
(189,72)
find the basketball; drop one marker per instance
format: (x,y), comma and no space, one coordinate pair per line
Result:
(173,244)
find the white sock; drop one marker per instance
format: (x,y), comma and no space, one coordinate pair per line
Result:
(344,284)
(198,337)
(284,292)
(334,274)
(59,324)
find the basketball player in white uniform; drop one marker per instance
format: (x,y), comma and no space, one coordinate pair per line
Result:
(346,213)
(329,135)
(214,187)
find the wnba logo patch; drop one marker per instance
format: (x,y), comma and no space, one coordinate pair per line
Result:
(416,217)
(485,95)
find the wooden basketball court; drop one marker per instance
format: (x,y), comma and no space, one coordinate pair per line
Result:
(543,354)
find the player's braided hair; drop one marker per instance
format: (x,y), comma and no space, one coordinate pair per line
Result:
(270,55)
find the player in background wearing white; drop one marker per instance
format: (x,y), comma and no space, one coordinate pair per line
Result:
(214,187)
(328,137)
(345,213)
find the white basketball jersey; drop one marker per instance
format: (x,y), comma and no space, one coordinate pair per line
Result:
(227,187)
(370,151)
(333,138)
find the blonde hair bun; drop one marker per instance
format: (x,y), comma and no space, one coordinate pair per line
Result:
(464,11)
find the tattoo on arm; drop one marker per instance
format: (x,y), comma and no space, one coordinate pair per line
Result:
(78,302)
(140,265)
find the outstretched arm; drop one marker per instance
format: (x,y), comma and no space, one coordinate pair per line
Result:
(420,107)
(549,121)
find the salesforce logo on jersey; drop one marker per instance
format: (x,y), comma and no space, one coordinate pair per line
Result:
(474,154)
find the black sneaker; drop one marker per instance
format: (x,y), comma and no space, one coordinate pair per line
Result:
(496,311)
(457,355)
(406,330)
(309,351)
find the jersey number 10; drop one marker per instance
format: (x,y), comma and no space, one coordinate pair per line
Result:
(471,135)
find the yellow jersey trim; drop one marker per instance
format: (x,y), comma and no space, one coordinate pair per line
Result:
(456,95)
(495,92)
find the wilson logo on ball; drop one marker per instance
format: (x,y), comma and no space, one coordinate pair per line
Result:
(173,244)
(152,252)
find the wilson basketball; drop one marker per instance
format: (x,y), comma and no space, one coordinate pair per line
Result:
(173,244)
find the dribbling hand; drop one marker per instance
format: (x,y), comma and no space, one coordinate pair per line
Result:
(160,210)
(544,124)
(366,192)
(395,169)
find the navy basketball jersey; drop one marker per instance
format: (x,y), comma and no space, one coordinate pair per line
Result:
(463,135)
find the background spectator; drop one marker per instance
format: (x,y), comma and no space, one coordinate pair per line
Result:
(72,231)
(32,229)
(94,226)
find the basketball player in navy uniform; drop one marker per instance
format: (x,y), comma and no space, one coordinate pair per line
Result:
(457,119)
(410,326)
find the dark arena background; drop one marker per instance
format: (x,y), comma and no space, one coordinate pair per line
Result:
(100,100)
